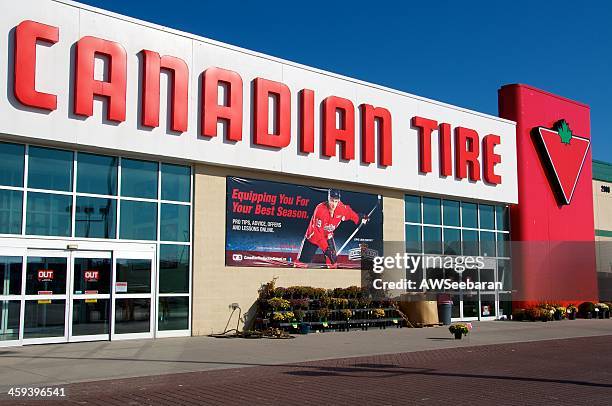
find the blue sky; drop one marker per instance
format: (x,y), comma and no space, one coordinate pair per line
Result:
(457,52)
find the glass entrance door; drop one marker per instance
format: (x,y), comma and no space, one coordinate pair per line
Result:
(90,296)
(477,304)
(45,316)
(11,276)
(133,287)
(55,295)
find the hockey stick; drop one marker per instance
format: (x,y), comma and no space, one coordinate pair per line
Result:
(357,229)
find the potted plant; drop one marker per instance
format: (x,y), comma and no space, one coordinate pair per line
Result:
(560,312)
(277,303)
(346,314)
(323,314)
(601,309)
(586,310)
(299,315)
(459,330)
(571,312)
(547,312)
(278,317)
(289,317)
(365,302)
(533,314)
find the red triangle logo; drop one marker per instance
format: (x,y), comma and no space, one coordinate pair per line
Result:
(565,154)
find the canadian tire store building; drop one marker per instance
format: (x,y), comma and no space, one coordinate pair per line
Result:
(141,166)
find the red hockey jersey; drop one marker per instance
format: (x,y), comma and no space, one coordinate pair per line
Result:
(322,224)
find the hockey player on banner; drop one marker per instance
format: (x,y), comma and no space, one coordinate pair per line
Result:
(325,220)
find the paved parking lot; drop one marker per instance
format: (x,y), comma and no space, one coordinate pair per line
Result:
(554,372)
(94,361)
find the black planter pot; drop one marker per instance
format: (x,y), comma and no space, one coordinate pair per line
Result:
(601,314)
(571,316)
(589,315)
(458,335)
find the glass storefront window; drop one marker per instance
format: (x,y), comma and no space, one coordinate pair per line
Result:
(412,205)
(503,244)
(487,244)
(10,275)
(173,313)
(44,318)
(139,178)
(11,164)
(46,276)
(487,306)
(95,217)
(50,169)
(136,273)
(451,213)
(470,305)
(11,207)
(432,240)
(176,182)
(501,218)
(173,268)
(413,238)
(174,222)
(452,241)
(132,316)
(487,217)
(505,304)
(504,274)
(48,214)
(10,312)
(96,174)
(90,317)
(92,276)
(470,242)
(431,211)
(469,215)
(110,198)
(138,220)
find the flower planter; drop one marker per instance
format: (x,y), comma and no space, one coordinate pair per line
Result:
(571,316)
(458,335)
(600,314)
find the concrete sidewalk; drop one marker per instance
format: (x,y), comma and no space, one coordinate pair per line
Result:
(58,364)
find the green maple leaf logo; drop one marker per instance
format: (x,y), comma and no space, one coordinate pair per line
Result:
(564,132)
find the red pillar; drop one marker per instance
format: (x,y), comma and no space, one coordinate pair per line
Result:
(554,253)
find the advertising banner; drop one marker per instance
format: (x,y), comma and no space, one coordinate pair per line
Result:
(284,225)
